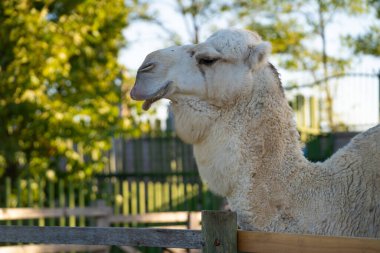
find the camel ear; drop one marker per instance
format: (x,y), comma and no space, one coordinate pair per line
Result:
(258,54)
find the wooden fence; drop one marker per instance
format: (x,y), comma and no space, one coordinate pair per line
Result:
(219,234)
(99,216)
(125,196)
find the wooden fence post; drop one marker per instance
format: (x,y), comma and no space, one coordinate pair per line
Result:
(219,232)
(193,220)
(103,221)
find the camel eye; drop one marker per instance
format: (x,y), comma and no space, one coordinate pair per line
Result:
(207,61)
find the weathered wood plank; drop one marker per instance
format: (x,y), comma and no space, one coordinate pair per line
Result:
(194,220)
(36,213)
(52,248)
(171,226)
(260,242)
(29,213)
(219,230)
(166,238)
(161,217)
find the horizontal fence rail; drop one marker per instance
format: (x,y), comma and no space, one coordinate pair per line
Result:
(164,238)
(36,213)
(54,248)
(293,243)
(164,217)
(99,211)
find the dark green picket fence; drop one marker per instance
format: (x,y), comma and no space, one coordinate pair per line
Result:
(151,154)
(126,196)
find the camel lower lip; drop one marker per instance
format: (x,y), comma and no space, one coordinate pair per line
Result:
(157,96)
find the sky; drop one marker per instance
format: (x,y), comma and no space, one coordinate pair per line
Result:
(144,38)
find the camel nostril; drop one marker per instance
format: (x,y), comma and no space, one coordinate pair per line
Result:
(147,67)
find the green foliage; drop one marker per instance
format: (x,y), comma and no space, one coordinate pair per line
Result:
(291,26)
(369,41)
(298,32)
(60,84)
(297,29)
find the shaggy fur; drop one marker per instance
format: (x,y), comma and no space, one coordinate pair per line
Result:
(228,102)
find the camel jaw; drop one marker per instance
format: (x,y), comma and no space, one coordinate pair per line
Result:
(151,98)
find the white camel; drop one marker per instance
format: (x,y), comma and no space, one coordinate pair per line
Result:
(228,102)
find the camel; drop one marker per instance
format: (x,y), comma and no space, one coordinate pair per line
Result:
(228,102)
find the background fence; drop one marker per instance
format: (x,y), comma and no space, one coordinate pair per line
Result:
(355,107)
(125,196)
(355,103)
(154,155)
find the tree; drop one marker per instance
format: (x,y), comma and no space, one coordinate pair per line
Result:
(195,14)
(292,26)
(369,41)
(326,10)
(295,26)
(60,84)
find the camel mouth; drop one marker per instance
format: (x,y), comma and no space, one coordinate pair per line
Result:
(156,96)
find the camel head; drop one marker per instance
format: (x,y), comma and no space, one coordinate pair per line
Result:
(205,77)
(215,71)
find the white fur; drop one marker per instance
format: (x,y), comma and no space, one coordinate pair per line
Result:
(247,147)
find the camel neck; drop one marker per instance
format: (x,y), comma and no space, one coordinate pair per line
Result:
(272,134)
(255,138)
